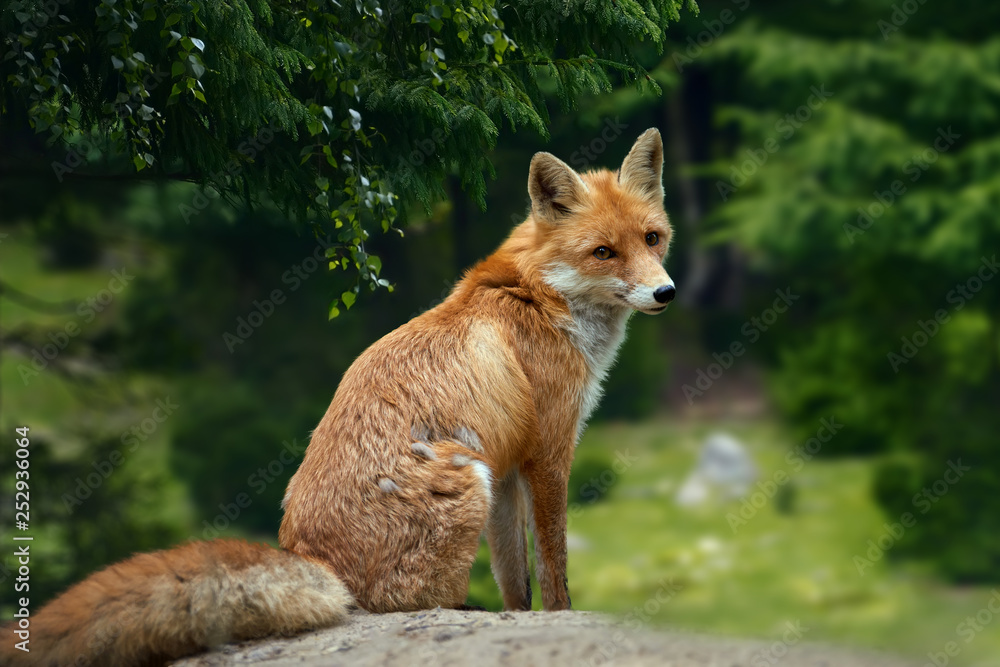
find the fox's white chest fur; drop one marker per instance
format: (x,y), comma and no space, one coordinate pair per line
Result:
(597,332)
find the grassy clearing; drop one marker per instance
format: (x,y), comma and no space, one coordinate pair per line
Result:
(752,580)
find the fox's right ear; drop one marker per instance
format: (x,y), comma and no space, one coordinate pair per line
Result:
(555,188)
(642,170)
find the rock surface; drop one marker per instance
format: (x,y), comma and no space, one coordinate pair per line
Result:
(449,637)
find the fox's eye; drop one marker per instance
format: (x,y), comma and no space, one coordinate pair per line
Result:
(604,252)
(652,238)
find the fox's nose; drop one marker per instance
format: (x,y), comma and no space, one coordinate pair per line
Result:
(665,294)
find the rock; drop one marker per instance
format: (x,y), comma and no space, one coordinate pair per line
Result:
(447,637)
(724,469)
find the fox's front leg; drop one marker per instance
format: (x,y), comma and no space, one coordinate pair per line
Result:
(548,482)
(508,539)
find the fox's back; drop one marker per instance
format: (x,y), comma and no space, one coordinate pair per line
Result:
(469,364)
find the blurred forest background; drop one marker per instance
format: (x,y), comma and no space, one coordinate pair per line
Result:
(833,175)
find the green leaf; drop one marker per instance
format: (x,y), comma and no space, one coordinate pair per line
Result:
(196,67)
(328,152)
(348,298)
(175,93)
(172,19)
(334,311)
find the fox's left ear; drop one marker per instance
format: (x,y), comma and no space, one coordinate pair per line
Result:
(555,189)
(642,169)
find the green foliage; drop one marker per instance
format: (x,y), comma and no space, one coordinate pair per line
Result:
(333,111)
(251,393)
(240,436)
(879,207)
(91,510)
(123,515)
(585,484)
(635,387)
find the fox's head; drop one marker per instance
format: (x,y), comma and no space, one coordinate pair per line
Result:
(603,235)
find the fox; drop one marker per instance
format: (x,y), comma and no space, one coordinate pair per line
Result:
(462,422)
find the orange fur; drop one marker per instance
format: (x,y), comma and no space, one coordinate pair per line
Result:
(514,355)
(154,607)
(461,421)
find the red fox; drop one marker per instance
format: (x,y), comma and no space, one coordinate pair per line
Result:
(460,422)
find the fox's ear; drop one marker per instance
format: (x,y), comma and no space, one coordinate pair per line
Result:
(554,187)
(642,169)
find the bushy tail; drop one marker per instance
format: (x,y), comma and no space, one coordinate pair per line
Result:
(155,607)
